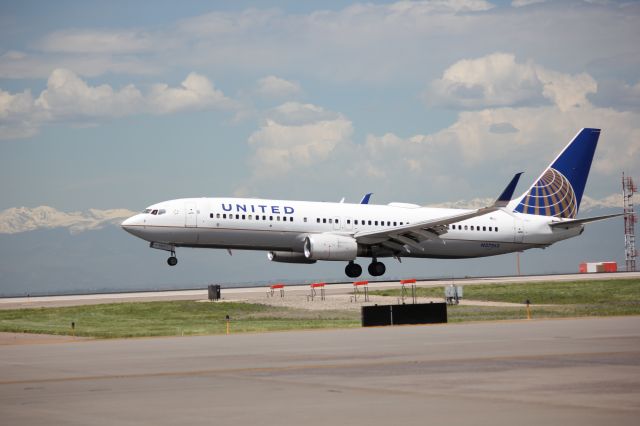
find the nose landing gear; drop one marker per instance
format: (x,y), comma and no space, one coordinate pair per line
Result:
(171,261)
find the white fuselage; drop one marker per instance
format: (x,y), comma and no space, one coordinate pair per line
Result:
(279,225)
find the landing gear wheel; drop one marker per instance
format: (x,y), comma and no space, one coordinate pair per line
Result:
(172,261)
(353,270)
(377,268)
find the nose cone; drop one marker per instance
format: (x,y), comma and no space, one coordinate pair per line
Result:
(128,223)
(133,225)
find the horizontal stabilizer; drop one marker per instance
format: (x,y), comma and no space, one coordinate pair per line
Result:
(579,222)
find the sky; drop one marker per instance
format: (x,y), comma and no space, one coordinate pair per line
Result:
(107,107)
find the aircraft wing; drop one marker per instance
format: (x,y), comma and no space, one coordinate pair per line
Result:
(412,234)
(567,224)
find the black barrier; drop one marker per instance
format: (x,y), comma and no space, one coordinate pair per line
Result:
(423,313)
(214,292)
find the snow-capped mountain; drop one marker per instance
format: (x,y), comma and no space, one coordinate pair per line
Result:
(23,219)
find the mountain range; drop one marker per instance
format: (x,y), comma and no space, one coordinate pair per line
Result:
(22,219)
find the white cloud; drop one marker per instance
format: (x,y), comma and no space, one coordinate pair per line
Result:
(452,157)
(493,80)
(501,128)
(266,39)
(492,143)
(297,135)
(20,65)
(523,3)
(297,114)
(497,80)
(272,86)
(610,201)
(70,98)
(67,95)
(363,42)
(20,103)
(475,203)
(23,219)
(195,92)
(95,41)
(368,42)
(567,91)
(16,120)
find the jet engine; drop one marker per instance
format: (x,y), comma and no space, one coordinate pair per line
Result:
(330,247)
(288,257)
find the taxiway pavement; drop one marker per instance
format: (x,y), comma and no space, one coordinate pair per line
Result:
(544,372)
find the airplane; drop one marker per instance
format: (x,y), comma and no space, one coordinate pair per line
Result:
(306,232)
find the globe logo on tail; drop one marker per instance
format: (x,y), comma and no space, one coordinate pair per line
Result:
(552,195)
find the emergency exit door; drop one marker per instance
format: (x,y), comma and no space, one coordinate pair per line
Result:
(190,215)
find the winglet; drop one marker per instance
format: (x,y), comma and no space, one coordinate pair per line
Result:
(365,199)
(506,195)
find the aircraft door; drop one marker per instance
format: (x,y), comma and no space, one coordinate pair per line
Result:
(190,215)
(349,224)
(336,223)
(518,230)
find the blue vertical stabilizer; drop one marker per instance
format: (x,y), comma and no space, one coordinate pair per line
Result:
(558,191)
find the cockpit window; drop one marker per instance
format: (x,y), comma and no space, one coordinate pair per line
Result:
(154,212)
(147,211)
(161,211)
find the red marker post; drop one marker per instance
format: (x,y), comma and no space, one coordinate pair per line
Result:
(313,293)
(274,287)
(356,289)
(412,283)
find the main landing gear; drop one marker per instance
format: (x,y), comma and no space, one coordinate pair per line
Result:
(353,270)
(377,268)
(173,260)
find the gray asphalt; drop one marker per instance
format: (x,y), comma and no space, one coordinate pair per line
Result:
(547,372)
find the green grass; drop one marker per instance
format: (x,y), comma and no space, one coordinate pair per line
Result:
(549,300)
(493,313)
(169,319)
(557,293)
(561,299)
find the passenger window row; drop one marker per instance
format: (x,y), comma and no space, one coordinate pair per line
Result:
(251,217)
(473,228)
(362,222)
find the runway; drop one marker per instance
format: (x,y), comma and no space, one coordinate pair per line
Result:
(259,291)
(569,372)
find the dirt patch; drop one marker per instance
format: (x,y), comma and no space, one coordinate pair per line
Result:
(35,339)
(348,302)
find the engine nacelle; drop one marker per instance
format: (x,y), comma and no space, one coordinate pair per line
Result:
(330,247)
(288,257)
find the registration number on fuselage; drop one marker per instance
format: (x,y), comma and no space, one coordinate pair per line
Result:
(490,245)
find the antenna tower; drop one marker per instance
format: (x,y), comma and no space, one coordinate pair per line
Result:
(630,219)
